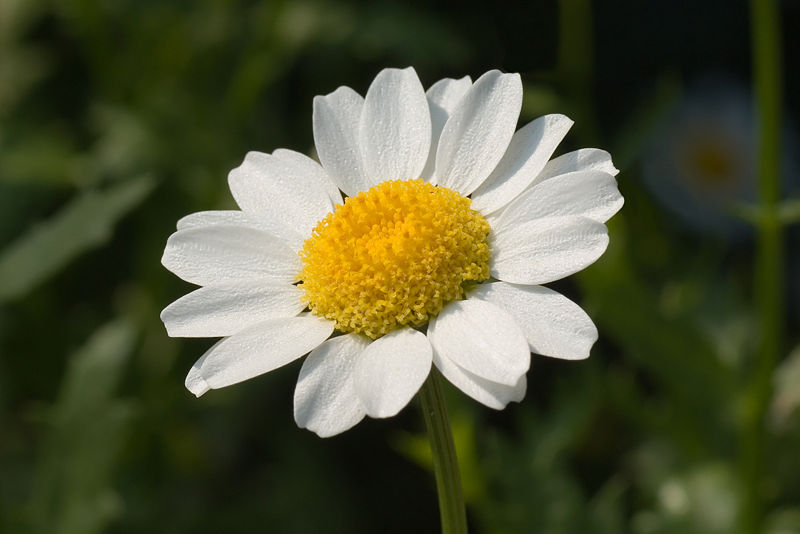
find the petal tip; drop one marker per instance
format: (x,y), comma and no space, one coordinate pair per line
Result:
(562,118)
(165,319)
(196,383)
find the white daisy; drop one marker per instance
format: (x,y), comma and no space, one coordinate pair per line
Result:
(452,222)
(702,161)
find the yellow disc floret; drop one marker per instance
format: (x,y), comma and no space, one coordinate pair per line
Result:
(393,256)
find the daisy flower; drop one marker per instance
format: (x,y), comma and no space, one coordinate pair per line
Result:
(702,161)
(451,222)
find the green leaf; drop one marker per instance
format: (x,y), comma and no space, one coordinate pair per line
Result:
(788,212)
(85,223)
(85,431)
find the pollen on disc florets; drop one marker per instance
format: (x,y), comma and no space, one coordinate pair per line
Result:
(393,256)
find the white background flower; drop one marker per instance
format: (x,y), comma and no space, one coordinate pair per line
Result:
(547,222)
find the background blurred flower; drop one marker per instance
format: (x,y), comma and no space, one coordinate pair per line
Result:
(701,161)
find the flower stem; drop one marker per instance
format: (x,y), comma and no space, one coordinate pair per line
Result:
(769,258)
(445,462)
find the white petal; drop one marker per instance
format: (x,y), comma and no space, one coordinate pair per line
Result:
(553,325)
(194,379)
(240,218)
(443,97)
(527,154)
(217,311)
(591,194)
(395,127)
(325,399)
(584,159)
(214,255)
(545,250)
(336,119)
(257,350)
(278,189)
(391,370)
(478,131)
(311,168)
(482,339)
(491,394)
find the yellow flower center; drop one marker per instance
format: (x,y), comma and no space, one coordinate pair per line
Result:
(713,162)
(393,256)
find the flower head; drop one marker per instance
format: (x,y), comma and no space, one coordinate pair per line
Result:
(452,221)
(701,162)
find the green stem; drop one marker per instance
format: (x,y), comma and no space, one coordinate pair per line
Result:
(445,462)
(769,258)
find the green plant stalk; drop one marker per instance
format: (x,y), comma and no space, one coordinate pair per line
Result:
(769,258)
(445,463)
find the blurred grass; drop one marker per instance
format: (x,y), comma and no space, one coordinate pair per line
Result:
(117,118)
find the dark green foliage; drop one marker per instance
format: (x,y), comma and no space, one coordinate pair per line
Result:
(119,117)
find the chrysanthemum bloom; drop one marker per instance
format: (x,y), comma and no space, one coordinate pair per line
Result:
(452,221)
(701,162)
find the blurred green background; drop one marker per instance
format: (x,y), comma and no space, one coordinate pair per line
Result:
(118,117)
